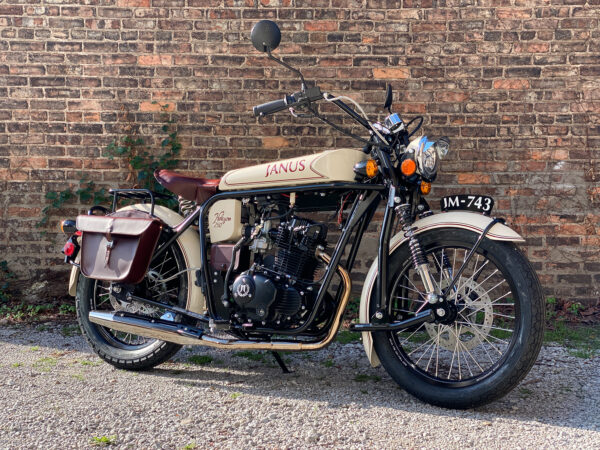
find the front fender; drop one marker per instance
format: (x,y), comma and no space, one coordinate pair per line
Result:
(189,242)
(456,219)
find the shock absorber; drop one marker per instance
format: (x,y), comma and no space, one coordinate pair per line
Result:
(416,252)
(186,207)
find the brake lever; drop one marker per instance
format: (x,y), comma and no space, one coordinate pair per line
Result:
(300,116)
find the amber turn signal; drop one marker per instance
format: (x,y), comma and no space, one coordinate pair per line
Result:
(371,168)
(425,187)
(408,167)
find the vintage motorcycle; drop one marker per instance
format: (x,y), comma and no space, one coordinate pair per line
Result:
(451,308)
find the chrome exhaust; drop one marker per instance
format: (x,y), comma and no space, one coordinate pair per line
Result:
(184,335)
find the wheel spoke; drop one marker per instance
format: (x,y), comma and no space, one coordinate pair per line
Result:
(412,334)
(453,355)
(481,284)
(416,289)
(424,343)
(412,299)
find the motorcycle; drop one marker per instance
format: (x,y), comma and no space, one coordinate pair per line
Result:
(450,307)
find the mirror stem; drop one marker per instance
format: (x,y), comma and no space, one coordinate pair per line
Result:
(287,66)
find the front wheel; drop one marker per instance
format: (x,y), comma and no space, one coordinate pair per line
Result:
(495,336)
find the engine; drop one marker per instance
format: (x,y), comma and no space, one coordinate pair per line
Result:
(278,289)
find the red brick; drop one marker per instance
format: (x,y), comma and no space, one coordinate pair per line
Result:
(275,142)
(473,178)
(155,60)
(511,84)
(322,25)
(134,3)
(391,73)
(157,107)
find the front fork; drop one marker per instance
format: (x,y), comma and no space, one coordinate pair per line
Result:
(436,299)
(404,213)
(416,253)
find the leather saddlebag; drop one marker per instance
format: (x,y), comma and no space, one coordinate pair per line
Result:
(118,247)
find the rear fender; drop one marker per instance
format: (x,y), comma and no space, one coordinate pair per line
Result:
(456,219)
(189,243)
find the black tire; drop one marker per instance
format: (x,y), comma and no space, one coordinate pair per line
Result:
(436,380)
(111,346)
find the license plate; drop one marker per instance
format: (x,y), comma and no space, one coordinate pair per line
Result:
(479,203)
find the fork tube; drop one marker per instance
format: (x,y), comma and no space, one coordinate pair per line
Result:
(382,259)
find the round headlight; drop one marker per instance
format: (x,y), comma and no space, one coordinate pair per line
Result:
(427,158)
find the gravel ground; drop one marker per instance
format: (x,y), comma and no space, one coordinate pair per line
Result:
(57,394)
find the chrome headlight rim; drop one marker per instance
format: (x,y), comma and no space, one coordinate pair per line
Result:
(442,146)
(427,158)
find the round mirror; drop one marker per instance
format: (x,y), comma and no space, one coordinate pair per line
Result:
(265,36)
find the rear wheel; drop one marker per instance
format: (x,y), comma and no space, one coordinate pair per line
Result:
(164,283)
(495,337)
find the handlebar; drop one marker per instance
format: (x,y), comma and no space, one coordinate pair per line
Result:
(289,101)
(272,107)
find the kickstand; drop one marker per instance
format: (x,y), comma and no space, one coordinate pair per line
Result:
(279,360)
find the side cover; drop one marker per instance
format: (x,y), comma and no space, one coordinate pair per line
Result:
(189,242)
(456,219)
(325,167)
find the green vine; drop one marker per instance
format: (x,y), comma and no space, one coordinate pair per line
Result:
(140,162)
(6,275)
(87,191)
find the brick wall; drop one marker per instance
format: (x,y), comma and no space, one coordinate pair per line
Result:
(513,83)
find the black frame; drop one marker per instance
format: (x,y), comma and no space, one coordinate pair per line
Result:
(361,212)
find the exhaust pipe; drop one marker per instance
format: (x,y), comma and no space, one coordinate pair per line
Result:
(186,335)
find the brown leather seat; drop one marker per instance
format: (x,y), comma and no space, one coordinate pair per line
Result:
(190,188)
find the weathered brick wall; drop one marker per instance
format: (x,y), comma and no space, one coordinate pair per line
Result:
(513,83)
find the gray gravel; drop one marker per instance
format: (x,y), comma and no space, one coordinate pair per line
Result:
(57,394)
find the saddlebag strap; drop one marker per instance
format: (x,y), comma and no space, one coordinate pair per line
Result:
(110,243)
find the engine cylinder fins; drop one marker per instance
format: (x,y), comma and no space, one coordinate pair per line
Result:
(297,241)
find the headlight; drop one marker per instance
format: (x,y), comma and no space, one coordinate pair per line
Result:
(427,158)
(428,155)
(442,146)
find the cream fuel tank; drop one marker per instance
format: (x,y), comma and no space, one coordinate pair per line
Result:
(224,220)
(325,167)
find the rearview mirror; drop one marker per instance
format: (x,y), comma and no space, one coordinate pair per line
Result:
(265,36)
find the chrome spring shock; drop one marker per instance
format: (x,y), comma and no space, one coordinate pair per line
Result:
(416,252)
(186,207)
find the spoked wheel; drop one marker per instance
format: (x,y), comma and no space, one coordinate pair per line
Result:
(489,342)
(165,282)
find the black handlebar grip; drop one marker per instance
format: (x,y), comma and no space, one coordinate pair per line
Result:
(270,107)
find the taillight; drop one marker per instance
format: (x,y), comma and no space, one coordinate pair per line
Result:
(69,248)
